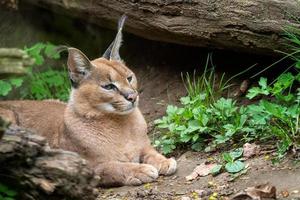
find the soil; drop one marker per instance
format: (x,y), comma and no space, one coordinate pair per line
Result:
(285,177)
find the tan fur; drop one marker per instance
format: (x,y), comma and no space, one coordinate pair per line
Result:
(101,125)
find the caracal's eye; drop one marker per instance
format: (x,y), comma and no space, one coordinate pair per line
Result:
(109,86)
(129,79)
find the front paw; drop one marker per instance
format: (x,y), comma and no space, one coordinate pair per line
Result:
(143,173)
(168,166)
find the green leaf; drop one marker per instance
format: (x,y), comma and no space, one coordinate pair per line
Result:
(274,109)
(195,137)
(263,83)
(11,193)
(255,91)
(8,198)
(6,193)
(237,153)
(258,114)
(171,110)
(5,88)
(51,51)
(3,188)
(185,100)
(229,127)
(297,65)
(185,137)
(283,82)
(180,128)
(157,143)
(297,77)
(221,139)
(158,121)
(198,146)
(227,157)
(216,170)
(17,82)
(35,53)
(180,111)
(194,124)
(187,114)
(204,120)
(168,148)
(234,167)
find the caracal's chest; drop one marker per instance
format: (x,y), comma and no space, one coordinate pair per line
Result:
(112,139)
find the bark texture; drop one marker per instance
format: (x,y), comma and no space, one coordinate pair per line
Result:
(243,25)
(38,172)
(13,61)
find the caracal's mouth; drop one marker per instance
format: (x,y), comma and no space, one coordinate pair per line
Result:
(111,108)
(129,109)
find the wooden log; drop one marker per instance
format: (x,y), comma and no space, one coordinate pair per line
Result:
(14,61)
(254,26)
(37,172)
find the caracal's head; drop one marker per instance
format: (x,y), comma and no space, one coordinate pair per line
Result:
(103,85)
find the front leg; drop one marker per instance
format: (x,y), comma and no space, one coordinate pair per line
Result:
(125,173)
(165,166)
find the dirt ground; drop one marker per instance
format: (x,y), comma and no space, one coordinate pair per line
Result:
(164,86)
(285,177)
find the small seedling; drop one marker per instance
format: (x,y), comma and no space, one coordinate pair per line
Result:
(230,162)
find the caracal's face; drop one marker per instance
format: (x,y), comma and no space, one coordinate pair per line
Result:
(109,87)
(104,84)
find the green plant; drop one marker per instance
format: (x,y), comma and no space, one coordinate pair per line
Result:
(48,84)
(42,82)
(7,193)
(281,114)
(196,123)
(6,86)
(203,117)
(40,50)
(230,162)
(208,83)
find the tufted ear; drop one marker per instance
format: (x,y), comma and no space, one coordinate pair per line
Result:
(112,53)
(79,66)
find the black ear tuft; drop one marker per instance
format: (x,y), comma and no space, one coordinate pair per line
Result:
(112,52)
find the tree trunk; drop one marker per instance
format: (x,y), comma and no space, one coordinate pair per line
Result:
(35,171)
(254,26)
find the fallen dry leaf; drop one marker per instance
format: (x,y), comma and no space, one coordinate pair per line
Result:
(244,86)
(201,170)
(250,150)
(284,193)
(256,193)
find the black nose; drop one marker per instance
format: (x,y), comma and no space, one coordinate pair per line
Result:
(131,97)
